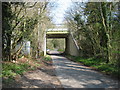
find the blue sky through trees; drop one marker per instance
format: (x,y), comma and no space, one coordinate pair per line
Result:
(59,11)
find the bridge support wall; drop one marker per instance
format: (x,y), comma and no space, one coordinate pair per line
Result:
(44,46)
(71,46)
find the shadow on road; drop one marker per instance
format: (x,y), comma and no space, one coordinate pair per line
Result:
(76,75)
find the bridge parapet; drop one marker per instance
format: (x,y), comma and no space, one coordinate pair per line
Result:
(57,30)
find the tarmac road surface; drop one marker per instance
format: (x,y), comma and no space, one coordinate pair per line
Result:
(74,75)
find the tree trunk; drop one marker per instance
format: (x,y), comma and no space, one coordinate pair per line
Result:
(105,31)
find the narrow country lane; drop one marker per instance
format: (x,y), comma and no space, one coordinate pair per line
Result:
(73,75)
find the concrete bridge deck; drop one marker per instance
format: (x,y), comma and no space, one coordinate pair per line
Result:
(57,34)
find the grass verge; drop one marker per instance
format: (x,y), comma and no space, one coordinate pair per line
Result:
(48,58)
(61,50)
(13,69)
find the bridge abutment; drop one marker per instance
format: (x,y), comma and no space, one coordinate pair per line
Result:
(71,46)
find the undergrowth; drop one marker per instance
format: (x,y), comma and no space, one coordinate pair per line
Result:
(11,69)
(48,58)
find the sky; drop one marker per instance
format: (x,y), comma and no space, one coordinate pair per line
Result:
(59,11)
